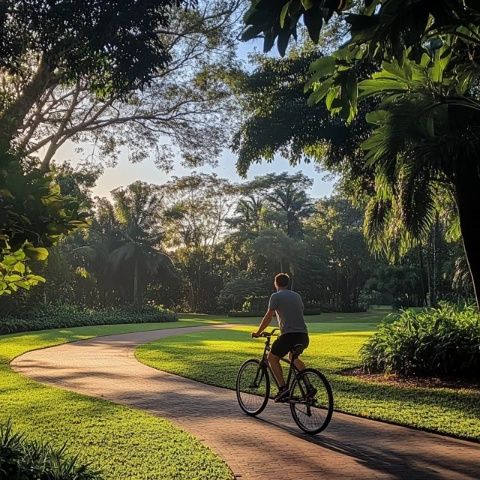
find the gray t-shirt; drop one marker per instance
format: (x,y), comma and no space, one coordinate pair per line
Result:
(289,308)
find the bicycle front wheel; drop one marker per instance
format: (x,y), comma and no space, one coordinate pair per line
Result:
(311,401)
(253,387)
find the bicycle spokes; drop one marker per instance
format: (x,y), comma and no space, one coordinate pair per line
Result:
(311,401)
(253,387)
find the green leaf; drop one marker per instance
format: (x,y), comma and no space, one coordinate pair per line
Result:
(320,91)
(323,67)
(379,86)
(331,96)
(12,278)
(19,267)
(313,21)
(376,117)
(35,278)
(351,93)
(282,41)
(36,253)
(251,32)
(284,13)
(5,193)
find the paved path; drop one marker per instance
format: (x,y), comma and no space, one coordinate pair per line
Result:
(267,448)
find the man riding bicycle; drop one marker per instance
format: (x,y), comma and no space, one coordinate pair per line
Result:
(288,306)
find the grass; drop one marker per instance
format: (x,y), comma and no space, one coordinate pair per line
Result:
(124,443)
(214,357)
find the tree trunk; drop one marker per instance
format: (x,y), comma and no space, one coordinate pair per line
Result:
(135,284)
(422,276)
(467,193)
(12,118)
(435,235)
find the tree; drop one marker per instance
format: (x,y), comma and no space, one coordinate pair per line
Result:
(339,225)
(107,48)
(417,41)
(195,219)
(34,215)
(425,147)
(123,246)
(112,48)
(183,105)
(285,198)
(236,291)
(137,256)
(277,249)
(280,120)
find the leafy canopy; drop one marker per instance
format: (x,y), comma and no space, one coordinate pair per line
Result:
(116,46)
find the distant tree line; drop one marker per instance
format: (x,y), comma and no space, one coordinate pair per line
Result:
(200,243)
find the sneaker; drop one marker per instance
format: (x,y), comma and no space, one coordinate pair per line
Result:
(282,395)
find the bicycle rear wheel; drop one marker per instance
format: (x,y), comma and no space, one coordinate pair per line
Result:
(253,387)
(311,401)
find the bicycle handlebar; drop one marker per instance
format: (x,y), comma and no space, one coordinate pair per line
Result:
(270,334)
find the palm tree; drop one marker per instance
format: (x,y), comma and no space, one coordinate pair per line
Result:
(293,204)
(124,243)
(285,199)
(249,215)
(426,145)
(137,255)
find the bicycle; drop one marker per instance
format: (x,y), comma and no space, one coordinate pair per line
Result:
(310,394)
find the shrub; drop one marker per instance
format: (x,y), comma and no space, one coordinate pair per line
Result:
(437,342)
(22,459)
(67,316)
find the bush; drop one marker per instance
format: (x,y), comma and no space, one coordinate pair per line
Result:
(67,316)
(437,342)
(32,460)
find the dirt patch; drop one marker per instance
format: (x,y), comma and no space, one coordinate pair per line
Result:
(425,382)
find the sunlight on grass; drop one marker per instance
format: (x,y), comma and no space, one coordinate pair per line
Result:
(214,357)
(122,442)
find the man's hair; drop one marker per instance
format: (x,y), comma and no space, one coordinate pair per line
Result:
(281,280)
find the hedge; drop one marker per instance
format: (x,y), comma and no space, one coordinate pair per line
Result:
(68,316)
(440,342)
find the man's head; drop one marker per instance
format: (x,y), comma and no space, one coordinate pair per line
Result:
(281,280)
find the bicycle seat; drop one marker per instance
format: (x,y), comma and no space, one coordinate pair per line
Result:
(297,349)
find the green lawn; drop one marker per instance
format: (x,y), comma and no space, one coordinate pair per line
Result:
(126,444)
(214,357)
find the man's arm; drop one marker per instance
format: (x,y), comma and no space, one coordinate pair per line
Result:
(267,318)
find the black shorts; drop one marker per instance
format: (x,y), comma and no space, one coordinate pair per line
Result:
(284,343)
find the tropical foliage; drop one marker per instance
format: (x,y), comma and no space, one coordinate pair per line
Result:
(425,75)
(201,243)
(20,458)
(437,342)
(114,75)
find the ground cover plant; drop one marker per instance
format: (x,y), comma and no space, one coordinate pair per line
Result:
(20,458)
(67,316)
(119,441)
(438,342)
(214,357)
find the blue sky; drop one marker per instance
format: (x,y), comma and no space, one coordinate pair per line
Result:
(125,172)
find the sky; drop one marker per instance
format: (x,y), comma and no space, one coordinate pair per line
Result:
(125,173)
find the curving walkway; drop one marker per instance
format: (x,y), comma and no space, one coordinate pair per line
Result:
(269,447)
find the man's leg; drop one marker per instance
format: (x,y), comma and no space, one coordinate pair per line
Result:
(298,363)
(274,362)
(301,367)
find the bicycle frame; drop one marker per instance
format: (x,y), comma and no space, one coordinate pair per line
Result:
(292,368)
